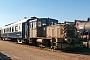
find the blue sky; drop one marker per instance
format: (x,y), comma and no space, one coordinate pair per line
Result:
(63,10)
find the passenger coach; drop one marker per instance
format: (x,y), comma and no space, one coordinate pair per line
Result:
(14,30)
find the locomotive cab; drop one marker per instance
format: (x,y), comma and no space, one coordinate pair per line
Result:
(37,29)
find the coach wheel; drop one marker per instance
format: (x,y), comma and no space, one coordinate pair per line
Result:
(3,39)
(52,47)
(19,41)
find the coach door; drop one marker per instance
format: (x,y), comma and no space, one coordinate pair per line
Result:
(26,30)
(23,30)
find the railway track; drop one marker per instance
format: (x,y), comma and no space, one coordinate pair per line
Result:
(41,48)
(25,52)
(70,50)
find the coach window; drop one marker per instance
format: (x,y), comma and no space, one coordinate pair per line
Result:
(7,30)
(16,28)
(1,32)
(4,30)
(12,29)
(20,26)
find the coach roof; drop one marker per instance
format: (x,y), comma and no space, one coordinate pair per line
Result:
(12,24)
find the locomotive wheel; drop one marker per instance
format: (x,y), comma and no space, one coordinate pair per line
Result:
(55,48)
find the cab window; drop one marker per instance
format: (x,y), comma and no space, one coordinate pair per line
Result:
(39,23)
(34,24)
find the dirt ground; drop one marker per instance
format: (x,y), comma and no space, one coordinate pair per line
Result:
(13,51)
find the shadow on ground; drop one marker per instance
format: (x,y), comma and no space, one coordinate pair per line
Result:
(4,57)
(83,51)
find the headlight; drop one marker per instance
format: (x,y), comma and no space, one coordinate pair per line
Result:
(66,39)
